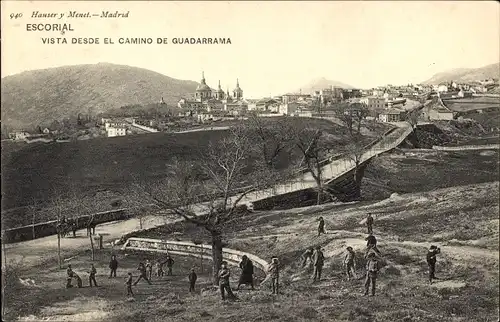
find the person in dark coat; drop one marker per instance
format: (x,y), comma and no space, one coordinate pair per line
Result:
(246,276)
(92,274)
(143,274)
(170,263)
(321,226)
(369,223)
(431,261)
(113,265)
(69,277)
(192,279)
(371,245)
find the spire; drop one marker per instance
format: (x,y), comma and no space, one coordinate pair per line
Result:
(203,77)
(237,83)
(219,85)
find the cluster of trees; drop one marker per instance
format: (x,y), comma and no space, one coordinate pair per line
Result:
(150,111)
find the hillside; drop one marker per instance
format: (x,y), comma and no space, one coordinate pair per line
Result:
(466,74)
(319,84)
(39,96)
(106,164)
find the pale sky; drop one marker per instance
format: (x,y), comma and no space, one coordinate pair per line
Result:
(276,46)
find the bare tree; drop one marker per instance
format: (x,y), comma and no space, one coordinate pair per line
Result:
(344,113)
(271,139)
(359,112)
(34,209)
(208,192)
(314,146)
(59,206)
(354,151)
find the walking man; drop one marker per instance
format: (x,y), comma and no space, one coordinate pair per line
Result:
(170,263)
(369,223)
(224,286)
(192,280)
(319,261)
(274,273)
(431,261)
(92,274)
(129,285)
(321,226)
(246,276)
(372,268)
(350,263)
(143,274)
(113,265)
(307,255)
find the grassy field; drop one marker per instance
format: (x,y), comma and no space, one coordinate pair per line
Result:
(407,170)
(103,166)
(463,221)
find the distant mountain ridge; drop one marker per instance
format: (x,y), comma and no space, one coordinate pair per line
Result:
(466,74)
(39,96)
(319,84)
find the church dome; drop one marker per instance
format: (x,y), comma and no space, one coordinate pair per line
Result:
(203,87)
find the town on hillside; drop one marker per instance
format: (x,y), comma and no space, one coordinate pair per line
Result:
(214,108)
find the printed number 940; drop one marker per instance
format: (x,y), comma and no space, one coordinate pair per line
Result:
(16,15)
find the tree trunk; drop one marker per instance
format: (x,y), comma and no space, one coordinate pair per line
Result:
(318,201)
(216,256)
(59,259)
(358,176)
(92,247)
(140,222)
(33,228)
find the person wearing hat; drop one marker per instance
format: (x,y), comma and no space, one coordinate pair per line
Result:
(372,268)
(431,261)
(246,277)
(319,261)
(224,286)
(274,273)
(350,263)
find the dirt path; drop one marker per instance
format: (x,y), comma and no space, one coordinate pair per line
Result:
(34,252)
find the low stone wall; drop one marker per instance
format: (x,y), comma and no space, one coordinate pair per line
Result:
(467,147)
(232,256)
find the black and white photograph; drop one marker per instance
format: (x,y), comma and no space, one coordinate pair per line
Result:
(250,161)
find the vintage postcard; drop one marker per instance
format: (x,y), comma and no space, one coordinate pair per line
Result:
(250,160)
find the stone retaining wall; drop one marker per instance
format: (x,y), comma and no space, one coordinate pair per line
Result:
(232,256)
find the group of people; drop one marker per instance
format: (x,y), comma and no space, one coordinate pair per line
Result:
(246,277)
(65,225)
(372,256)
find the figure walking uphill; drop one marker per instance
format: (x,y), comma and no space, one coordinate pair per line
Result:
(170,263)
(113,265)
(92,273)
(224,286)
(143,274)
(246,276)
(319,261)
(307,255)
(274,274)
(431,262)
(149,269)
(369,223)
(128,282)
(372,268)
(350,263)
(321,226)
(192,279)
